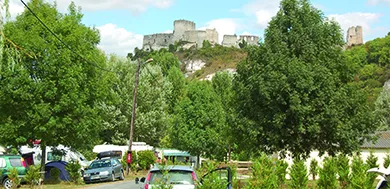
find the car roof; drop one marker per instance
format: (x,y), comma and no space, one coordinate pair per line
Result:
(172,167)
(9,155)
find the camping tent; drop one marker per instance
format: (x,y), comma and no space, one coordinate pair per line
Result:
(60,165)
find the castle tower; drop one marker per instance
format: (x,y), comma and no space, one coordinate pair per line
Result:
(354,36)
(180,27)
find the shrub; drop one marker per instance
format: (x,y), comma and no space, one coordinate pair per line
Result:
(328,173)
(358,175)
(386,161)
(54,176)
(342,162)
(281,171)
(33,175)
(263,174)
(133,164)
(14,177)
(313,168)
(73,169)
(298,174)
(372,162)
(146,158)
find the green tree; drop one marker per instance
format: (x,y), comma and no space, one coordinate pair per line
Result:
(371,162)
(294,87)
(298,174)
(313,168)
(281,171)
(55,92)
(328,174)
(263,173)
(386,161)
(165,60)
(199,118)
(343,170)
(358,175)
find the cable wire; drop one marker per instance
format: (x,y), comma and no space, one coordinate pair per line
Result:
(63,43)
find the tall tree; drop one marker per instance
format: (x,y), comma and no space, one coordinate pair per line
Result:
(54,94)
(199,118)
(294,87)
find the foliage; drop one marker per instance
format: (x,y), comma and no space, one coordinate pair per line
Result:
(314,168)
(146,158)
(52,91)
(166,61)
(371,162)
(358,175)
(73,169)
(382,109)
(328,174)
(33,176)
(206,44)
(386,161)
(134,161)
(14,177)
(199,120)
(298,174)
(343,170)
(243,44)
(54,176)
(281,171)
(263,174)
(295,87)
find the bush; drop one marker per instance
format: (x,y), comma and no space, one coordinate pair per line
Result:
(73,169)
(358,175)
(342,162)
(33,175)
(133,164)
(281,171)
(263,174)
(313,168)
(146,158)
(14,177)
(372,162)
(298,174)
(54,176)
(386,161)
(328,175)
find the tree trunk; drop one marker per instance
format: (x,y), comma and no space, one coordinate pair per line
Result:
(197,161)
(229,153)
(43,160)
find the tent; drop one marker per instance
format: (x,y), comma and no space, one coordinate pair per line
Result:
(64,175)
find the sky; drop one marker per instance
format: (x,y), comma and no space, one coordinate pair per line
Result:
(122,23)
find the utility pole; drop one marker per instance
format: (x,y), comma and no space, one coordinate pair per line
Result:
(129,158)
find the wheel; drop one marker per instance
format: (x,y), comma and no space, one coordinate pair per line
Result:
(112,177)
(122,177)
(7,183)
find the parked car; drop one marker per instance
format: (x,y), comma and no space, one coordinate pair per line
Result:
(105,169)
(7,163)
(179,177)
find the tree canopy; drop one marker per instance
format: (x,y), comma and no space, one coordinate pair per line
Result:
(295,86)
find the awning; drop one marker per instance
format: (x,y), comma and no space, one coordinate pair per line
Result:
(176,153)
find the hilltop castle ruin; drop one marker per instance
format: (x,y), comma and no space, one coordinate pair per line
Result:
(354,36)
(185,31)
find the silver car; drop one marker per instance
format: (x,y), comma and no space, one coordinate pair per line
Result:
(105,169)
(179,177)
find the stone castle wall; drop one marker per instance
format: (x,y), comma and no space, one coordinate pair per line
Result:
(354,36)
(250,39)
(157,41)
(180,27)
(186,31)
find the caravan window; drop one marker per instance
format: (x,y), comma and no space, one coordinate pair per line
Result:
(52,157)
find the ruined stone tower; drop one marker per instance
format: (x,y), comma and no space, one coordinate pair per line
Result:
(354,36)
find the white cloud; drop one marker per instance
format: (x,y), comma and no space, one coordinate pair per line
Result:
(15,8)
(168,31)
(246,33)
(376,2)
(264,10)
(118,40)
(223,26)
(356,18)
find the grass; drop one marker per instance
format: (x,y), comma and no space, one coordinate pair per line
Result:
(67,185)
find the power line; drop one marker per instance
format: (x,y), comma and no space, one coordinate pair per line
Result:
(63,43)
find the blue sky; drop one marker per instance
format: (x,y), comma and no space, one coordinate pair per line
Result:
(123,23)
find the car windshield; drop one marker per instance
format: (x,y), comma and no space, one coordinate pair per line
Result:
(100,163)
(172,177)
